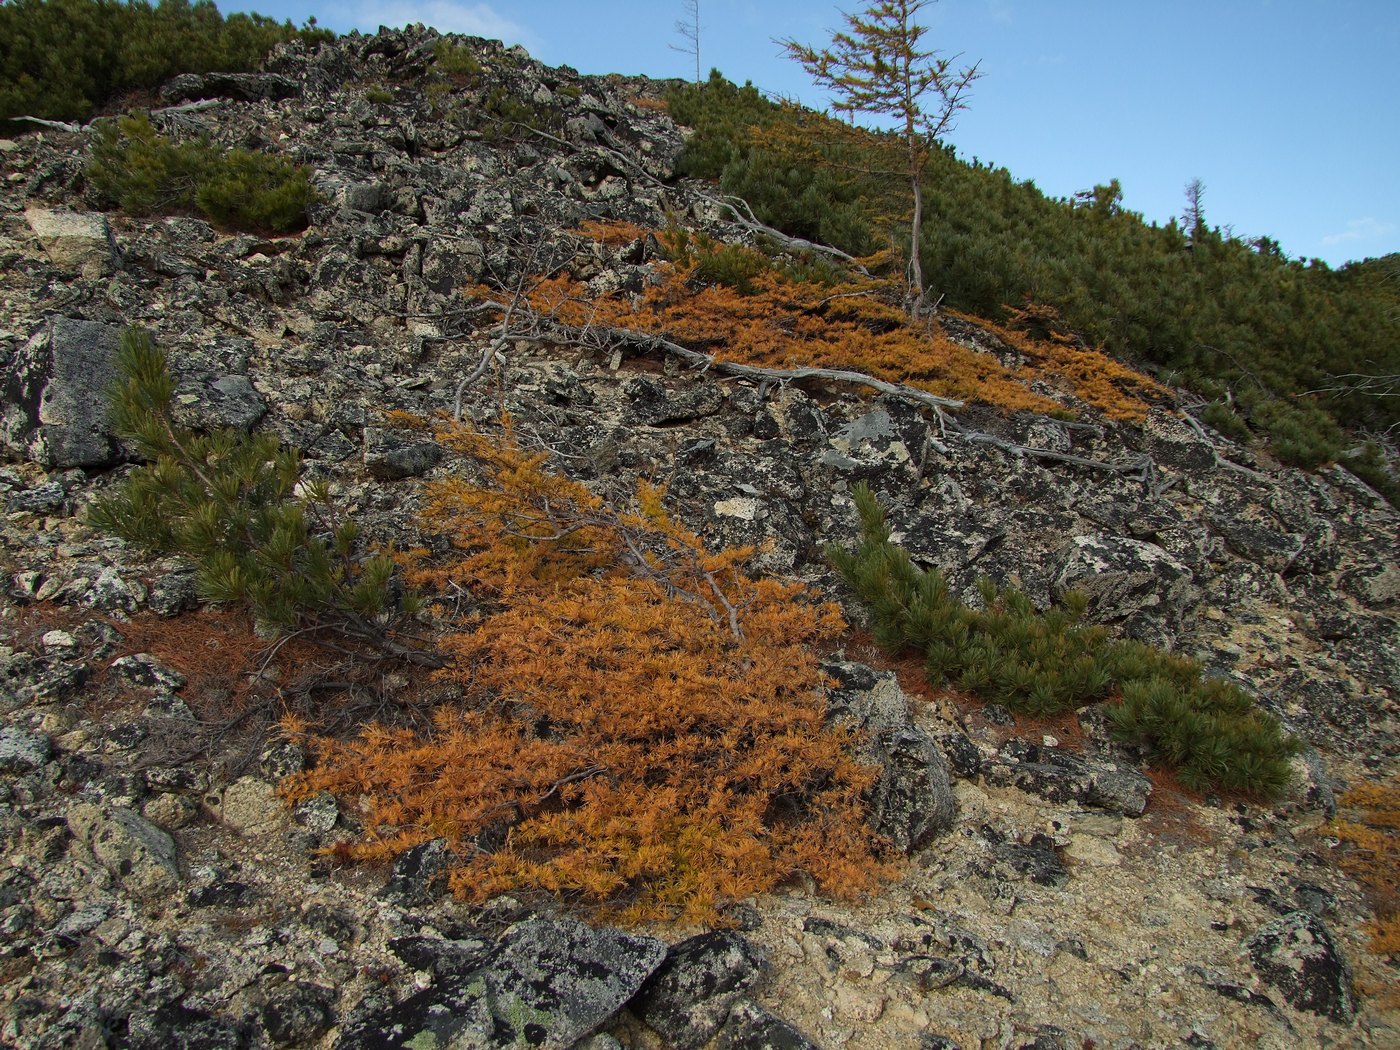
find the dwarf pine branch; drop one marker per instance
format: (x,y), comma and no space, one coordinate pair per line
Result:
(1208,730)
(229,502)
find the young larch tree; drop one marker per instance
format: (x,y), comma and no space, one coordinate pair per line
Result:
(877,67)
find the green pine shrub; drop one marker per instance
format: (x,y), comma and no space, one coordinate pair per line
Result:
(66,59)
(229,502)
(732,265)
(145,173)
(456,61)
(256,191)
(1040,663)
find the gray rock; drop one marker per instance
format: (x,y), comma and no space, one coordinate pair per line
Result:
(1059,776)
(688,999)
(250,805)
(394,454)
(913,800)
(448,265)
(650,403)
(21,750)
(244,87)
(113,592)
(143,669)
(55,396)
(1131,582)
(43,499)
(141,855)
(1297,955)
(751,1027)
(79,243)
(219,402)
(297,1013)
(174,593)
(550,983)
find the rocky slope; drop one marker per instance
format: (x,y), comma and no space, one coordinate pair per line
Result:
(157,893)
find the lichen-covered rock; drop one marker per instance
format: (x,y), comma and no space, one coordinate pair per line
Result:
(550,983)
(688,999)
(55,396)
(80,244)
(912,801)
(141,855)
(394,454)
(1057,775)
(1298,955)
(250,805)
(22,750)
(1129,582)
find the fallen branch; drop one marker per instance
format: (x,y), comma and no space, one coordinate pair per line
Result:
(78,129)
(599,336)
(1220,461)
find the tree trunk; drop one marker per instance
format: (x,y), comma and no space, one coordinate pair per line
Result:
(916,266)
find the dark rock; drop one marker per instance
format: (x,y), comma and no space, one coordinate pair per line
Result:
(964,757)
(1058,776)
(1052,1037)
(1035,860)
(1240,994)
(22,750)
(178,1025)
(221,892)
(912,801)
(938,1042)
(444,959)
(689,996)
(296,1014)
(751,1027)
(55,396)
(243,87)
(419,874)
(650,403)
(1297,955)
(394,454)
(549,983)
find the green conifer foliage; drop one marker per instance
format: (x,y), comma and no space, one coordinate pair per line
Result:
(230,503)
(1209,731)
(63,59)
(145,173)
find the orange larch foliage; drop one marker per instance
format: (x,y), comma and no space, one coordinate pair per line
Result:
(784,323)
(613,234)
(1370,830)
(644,726)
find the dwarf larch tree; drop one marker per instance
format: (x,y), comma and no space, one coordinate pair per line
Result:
(642,728)
(878,68)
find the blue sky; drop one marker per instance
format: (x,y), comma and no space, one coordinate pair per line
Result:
(1287,110)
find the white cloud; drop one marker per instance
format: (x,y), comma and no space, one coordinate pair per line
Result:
(1367,229)
(446,16)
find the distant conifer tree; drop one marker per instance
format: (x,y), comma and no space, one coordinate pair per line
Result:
(878,68)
